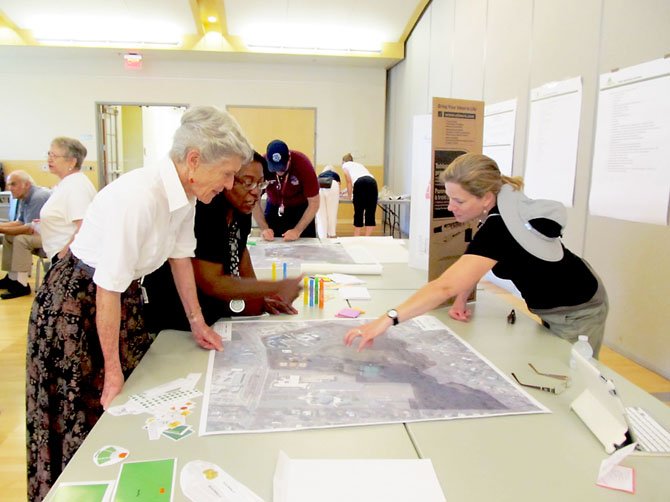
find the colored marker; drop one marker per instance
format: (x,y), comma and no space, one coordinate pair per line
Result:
(274,270)
(305,291)
(322,294)
(285,270)
(311,292)
(316,291)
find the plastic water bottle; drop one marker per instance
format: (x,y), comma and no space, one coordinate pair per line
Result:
(581,347)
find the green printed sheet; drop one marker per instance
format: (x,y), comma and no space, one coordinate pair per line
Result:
(147,481)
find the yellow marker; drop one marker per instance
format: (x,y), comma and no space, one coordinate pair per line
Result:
(305,291)
(274,270)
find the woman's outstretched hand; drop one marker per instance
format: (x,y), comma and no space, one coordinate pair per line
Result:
(367,332)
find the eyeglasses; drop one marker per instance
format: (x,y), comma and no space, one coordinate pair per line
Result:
(51,155)
(553,390)
(250,184)
(565,378)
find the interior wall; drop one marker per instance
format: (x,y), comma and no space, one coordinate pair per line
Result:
(133,145)
(52,92)
(497,50)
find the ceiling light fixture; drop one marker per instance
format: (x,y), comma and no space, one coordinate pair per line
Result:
(114,32)
(322,39)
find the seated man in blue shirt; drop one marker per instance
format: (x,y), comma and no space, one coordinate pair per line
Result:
(225,277)
(19,236)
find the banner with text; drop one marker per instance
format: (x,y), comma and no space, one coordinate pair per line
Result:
(458,128)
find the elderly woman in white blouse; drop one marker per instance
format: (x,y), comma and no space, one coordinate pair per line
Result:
(86,332)
(62,214)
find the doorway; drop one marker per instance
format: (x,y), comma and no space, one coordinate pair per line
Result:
(131,135)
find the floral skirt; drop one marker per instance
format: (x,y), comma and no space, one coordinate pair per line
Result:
(64,367)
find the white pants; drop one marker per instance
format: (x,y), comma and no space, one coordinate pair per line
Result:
(326,217)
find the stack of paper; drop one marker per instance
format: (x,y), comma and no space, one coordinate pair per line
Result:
(390,480)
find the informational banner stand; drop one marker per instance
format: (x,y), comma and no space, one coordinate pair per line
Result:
(458,128)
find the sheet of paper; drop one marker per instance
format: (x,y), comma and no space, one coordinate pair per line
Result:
(206,482)
(499,119)
(551,160)
(345,279)
(390,480)
(157,398)
(615,476)
(354,293)
(109,455)
(631,179)
(420,371)
(147,480)
(384,249)
(343,268)
(419,214)
(93,491)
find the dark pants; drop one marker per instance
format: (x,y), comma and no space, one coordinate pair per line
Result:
(365,201)
(64,367)
(290,218)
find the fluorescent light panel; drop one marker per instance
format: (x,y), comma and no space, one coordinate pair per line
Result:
(82,30)
(311,38)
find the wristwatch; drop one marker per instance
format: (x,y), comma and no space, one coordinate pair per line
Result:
(236,306)
(393,315)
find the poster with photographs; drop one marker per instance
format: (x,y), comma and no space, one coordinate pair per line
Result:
(457,128)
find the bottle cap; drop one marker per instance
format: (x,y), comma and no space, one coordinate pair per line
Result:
(583,338)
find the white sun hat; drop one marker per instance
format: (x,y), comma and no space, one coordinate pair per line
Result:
(524,219)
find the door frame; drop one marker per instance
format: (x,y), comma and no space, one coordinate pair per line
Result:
(100,138)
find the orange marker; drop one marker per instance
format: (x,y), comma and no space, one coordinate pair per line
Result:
(322,294)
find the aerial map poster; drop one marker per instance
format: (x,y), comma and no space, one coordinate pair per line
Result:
(289,375)
(294,253)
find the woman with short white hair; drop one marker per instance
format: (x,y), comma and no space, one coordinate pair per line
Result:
(86,332)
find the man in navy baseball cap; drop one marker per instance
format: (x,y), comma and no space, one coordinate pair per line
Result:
(278,156)
(292,194)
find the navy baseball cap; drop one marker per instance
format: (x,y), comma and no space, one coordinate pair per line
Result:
(277,156)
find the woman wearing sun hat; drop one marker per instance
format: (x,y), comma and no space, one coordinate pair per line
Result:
(519,239)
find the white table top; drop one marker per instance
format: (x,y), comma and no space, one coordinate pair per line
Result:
(533,457)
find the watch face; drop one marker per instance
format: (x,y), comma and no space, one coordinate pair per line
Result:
(393,315)
(236,306)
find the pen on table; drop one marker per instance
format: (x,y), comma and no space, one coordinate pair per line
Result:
(348,303)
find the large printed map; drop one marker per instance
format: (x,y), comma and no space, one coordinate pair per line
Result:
(288,375)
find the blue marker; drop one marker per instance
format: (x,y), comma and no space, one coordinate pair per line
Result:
(284,269)
(311,291)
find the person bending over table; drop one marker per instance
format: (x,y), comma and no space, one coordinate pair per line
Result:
(224,274)
(519,239)
(292,195)
(86,332)
(363,190)
(329,203)
(62,214)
